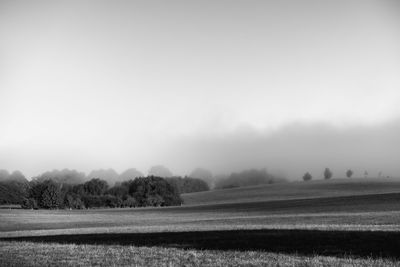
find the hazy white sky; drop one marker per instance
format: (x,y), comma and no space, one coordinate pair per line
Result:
(98,84)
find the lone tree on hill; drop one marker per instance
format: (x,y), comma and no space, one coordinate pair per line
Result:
(349,173)
(327,173)
(307,176)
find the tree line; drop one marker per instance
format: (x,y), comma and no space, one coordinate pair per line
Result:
(328,174)
(64,189)
(95,193)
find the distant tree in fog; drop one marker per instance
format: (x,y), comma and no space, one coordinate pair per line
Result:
(365,174)
(188,184)
(64,176)
(203,174)
(307,176)
(160,171)
(327,173)
(349,173)
(4,174)
(17,176)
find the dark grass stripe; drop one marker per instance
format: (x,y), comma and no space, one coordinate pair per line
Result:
(303,242)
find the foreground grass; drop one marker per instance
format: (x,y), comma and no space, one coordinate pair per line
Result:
(53,254)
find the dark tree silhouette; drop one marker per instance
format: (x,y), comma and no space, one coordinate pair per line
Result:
(307,176)
(349,173)
(327,173)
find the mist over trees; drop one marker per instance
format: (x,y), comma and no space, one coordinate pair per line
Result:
(101,188)
(65,176)
(248,178)
(203,174)
(160,170)
(15,176)
(13,187)
(188,184)
(73,189)
(4,175)
(109,175)
(129,174)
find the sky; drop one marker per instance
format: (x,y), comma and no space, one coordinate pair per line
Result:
(291,86)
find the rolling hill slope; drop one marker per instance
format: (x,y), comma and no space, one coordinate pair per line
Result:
(296,190)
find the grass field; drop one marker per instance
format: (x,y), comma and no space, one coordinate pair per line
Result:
(43,254)
(346,222)
(296,190)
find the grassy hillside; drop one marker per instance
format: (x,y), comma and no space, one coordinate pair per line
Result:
(296,190)
(367,212)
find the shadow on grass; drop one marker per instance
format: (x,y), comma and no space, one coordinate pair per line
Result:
(303,242)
